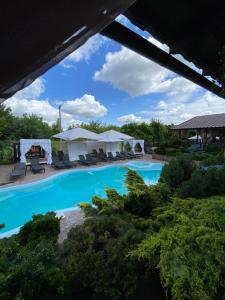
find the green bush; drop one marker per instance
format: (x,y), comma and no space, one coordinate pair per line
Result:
(186,244)
(41,227)
(28,262)
(177,171)
(204,184)
(216,159)
(97,265)
(6,154)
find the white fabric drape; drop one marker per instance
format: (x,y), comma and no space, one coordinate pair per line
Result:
(25,145)
(133,143)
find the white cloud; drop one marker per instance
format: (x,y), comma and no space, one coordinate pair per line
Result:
(137,75)
(172,111)
(85,51)
(39,108)
(131,118)
(33,91)
(86,106)
(26,101)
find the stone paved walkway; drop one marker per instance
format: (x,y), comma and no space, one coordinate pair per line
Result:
(70,220)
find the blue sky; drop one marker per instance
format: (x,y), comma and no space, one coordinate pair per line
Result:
(104,81)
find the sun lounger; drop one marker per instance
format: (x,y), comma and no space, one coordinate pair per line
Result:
(84,161)
(127,155)
(120,156)
(35,165)
(57,163)
(111,157)
(137,155)
(17,173)
(66,161)
(102,155)
(19,170)
(92,159)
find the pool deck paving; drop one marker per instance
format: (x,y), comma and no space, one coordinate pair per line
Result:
(71,218)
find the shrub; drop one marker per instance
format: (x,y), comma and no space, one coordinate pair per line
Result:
(96,262)
(177,171)
(41,227)
(7,154)
(217,159)
(186,244)
(28,262)
(204,184)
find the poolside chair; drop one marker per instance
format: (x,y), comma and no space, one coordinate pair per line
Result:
(92,159)
(35,165)
(110,156)
(66,161)
(137,155)
(127,155)
(102,155)
(120,156)
(18,171)
(57,163)
(84,161)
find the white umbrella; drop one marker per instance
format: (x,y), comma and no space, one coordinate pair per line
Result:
(77,134)
(195,137)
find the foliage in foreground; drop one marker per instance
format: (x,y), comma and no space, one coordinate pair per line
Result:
(28,261)
(186,244)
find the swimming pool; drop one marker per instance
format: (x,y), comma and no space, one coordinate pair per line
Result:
(66,190)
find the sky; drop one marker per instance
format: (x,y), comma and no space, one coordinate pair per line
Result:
(107,82)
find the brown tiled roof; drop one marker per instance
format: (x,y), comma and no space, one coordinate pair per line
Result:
(208,121)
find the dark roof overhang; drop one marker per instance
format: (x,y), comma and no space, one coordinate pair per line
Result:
(33,39)
(137,43)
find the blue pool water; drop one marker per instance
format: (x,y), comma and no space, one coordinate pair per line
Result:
(66,190)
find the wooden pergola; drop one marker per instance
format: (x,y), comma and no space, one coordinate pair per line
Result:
(208,128)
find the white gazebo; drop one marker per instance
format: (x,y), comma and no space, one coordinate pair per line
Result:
(26,144)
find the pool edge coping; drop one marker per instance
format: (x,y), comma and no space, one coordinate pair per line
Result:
(68,172)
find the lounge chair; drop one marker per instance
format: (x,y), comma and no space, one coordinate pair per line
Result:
(110,156)
(137,155)
(84,161)
(127,155)
(92,159)
(66,161)
(18,171)
(102,155)
(120,156)
(35,165)
(57,163)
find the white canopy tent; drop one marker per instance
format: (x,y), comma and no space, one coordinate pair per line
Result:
(77,134)
(77,141)
(115,135)
(26,144)
(82,141)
